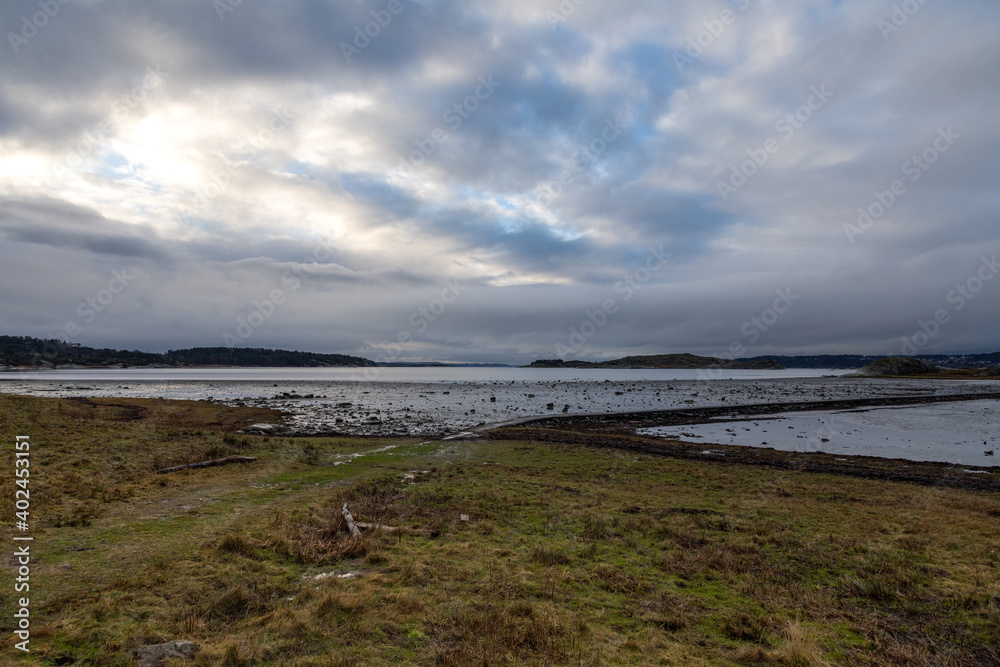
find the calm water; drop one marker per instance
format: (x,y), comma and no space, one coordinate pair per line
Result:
(950,432)
(420,375)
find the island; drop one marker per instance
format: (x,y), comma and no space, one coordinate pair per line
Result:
(674,361)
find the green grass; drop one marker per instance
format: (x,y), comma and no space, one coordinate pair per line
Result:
(572,555)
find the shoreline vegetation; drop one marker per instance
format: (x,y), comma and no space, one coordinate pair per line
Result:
(528,546)
(27,353)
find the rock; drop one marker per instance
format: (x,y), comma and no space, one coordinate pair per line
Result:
(263,428)
(895,366)
(159,654)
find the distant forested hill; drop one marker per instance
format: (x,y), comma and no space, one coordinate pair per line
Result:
(27,351)
(238,356)
(858,360)
(832,361)
(35,352)
(667,361)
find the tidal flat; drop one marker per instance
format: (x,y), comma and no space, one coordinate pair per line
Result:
(427,402)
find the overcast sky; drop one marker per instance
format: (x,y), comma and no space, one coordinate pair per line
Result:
(310,174)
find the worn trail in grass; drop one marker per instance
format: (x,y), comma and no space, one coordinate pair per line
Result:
(571,555)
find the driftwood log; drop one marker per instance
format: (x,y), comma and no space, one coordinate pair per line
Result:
(351,526)
(209,464)
(390,530)
(396,530)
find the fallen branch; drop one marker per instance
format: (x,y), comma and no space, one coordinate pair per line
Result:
(209,464)
(395,530)
(351,526)
(391,530)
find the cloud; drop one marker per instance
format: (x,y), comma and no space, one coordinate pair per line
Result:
(468,141)
(58,224)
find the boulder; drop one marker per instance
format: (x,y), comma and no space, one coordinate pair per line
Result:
(262,428)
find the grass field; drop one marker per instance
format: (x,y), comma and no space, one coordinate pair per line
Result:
(571,555)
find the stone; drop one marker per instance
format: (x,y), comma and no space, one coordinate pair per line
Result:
(159,654)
